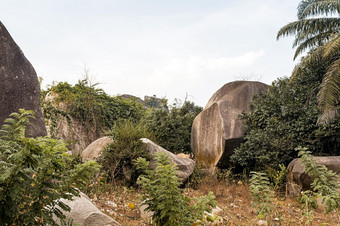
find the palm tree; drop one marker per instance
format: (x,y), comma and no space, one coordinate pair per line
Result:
(318,30)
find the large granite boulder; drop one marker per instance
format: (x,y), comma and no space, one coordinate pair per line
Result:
(185,165)
(84,212)
(297,178)
(95,149)
(217,130)
(19,86)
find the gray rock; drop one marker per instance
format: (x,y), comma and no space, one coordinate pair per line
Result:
(297,178)
(217,130)
(185,165)
(84,212)
(19,86)
(95,149)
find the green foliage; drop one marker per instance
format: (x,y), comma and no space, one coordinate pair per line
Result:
(278,177)
(117,159)
(163,195)
(285,117)
(325,183)
(173,129)
(261,193)
(34,174)
(92,106)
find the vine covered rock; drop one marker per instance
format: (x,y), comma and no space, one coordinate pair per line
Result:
(19,87)
(61,125)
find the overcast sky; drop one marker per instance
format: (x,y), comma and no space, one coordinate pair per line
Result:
(167,48)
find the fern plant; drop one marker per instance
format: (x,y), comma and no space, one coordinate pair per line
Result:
(325,183)
(34,174)
(164,198)
(261,193)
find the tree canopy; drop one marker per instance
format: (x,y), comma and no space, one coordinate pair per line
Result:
(317,29)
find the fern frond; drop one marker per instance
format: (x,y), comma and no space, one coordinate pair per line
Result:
(15,126)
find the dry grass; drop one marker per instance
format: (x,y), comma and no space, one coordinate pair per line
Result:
(232,197)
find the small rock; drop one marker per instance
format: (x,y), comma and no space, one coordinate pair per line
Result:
(217,210)
(145,215)
(111,204)
(262,222)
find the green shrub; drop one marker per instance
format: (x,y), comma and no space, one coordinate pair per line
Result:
(163,196)
(117,159)
(34,174)
(261,193)
(173,128)
(277,176)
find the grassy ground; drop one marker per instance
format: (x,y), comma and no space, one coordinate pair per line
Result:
(233,198)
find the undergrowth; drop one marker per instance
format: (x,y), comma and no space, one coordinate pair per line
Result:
(35,173)
(164,198)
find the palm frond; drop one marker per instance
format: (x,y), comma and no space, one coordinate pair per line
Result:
(327,117)
(318,39)
(310,8)
(332,47)
(329,94)
(310,43)
(312,58)
(313,26)
(298,70)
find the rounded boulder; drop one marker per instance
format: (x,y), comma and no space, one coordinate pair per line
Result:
(217,130)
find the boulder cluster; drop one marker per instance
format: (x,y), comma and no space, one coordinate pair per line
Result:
(216,131)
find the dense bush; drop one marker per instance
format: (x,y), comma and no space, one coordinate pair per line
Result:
(285,117)
(117,159)
(92,106)
(163,196)
(173,128)
(34,174)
